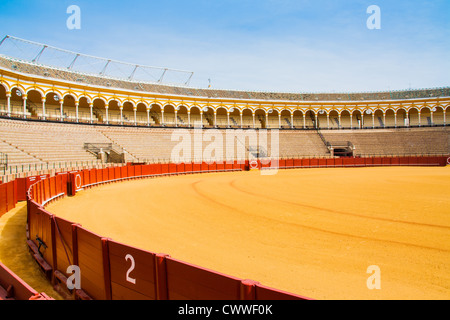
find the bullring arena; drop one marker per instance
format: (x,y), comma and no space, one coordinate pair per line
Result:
(313,191)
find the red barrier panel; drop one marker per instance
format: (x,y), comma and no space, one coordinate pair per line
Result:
(188,167)
(22,189)
(180,168)
(228,165)
(220,166)
(204,167)
(236,165)
(63,244)
(21,290)
(132,272)
(266,293)
(90,261)
(172,168)
(146,170)
(99,175)
(314,163)
(289,163)
(123,172)
(196,167)
(297,163)
(138,171)
(395,161)
(306,163)
(377,161)
(45,233)
(386,161)
(212,166)
(359,162)
(93,176)
(10,195)
(282,163)
(59,183)
(338,162)
(165,168)
(117,173)
(111,175)
(3,199)
(330,163)
(189,282)
(368,162)
(46,183)
(322,162)
(403,161)
(52,183)
(131,171)
(105,174)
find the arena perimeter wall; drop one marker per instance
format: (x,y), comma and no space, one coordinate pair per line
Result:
(112,270)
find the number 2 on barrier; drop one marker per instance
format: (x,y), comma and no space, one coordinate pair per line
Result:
(129,279)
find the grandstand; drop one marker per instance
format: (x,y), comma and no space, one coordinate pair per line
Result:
(60,118)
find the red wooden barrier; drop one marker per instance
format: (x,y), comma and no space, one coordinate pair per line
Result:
(172,168)
(306,163)
(164,168)
(220,166)
(99,175)
(132,272)
(131,171)
(188,167)
(188,282)
(63,245)
(21,290)
(90,262)
(138,171)
(124,172)
(92,176)
(289,163)
(117,173)
(3,199)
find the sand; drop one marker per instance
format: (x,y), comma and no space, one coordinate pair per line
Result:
(314,232)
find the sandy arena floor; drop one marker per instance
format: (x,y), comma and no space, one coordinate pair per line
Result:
(312,232)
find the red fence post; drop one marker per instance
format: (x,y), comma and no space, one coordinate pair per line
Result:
(161,276)
(248,289)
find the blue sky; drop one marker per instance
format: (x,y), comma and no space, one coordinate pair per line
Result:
(263,45)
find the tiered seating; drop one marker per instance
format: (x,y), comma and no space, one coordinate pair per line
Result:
(394,142)
(50,142)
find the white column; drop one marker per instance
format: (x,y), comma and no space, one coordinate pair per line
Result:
(189,118)
(201,118)
(362,121)
(107,114)
(8,103)
(240,113)
(316,124)
(267,120)
(431,115)
(24,98)
(176,120)
(253,116)
(373,120)
(121,115)
(91,106)
(304,121)
(419,117)
(395,119)
(134,111)
(77,103)
(279,120)
(148,117)
(43,108)
(444,117)
(339,124)
(61,109)
(384,119)
(215,119)
(292,120)
(328,120)
(228,118)
(162,117)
